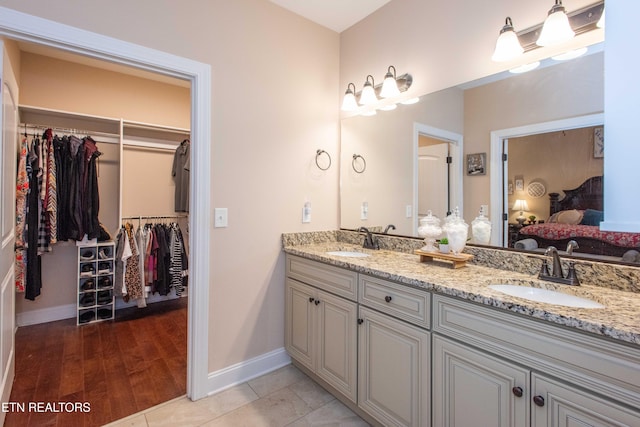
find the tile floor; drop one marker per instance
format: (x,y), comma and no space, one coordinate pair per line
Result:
(285,397)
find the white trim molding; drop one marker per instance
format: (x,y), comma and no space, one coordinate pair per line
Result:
(23,27)
(247,370)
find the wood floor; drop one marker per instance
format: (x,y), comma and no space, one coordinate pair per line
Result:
(119,367)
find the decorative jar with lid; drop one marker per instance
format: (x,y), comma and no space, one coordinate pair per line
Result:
(430,230)
(481,229)
(457,231)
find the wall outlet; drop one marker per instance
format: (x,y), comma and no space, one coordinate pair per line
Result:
(220,217)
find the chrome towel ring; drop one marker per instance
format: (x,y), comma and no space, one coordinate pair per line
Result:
(320,152)
(355,166)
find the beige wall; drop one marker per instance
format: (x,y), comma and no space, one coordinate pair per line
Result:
(275,102)
(558,160)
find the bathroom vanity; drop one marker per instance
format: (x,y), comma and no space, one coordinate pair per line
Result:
(406,343)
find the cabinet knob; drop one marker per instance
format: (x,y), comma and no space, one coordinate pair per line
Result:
(388,298)
(311,299)
(538,400)
(360,321)
(317,302)
(517,391)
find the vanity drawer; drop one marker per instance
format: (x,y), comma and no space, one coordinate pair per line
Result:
(397,300)
(324,276)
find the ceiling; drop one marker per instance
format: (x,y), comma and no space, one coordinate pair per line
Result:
(337,15)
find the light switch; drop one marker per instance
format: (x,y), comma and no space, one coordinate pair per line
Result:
(220,217)
(364,210)
(306,213)
(408,211)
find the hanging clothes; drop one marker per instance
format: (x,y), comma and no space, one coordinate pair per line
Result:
(33,269)
(22,191)
(132,279)
(180,173)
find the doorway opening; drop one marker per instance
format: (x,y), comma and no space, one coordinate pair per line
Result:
(27,28)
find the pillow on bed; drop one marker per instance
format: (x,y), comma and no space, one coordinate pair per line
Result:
(571,216)
(592,217)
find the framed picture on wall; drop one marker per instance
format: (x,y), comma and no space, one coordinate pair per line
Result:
(598,142)
(510,187)
(519,184)
(476,164)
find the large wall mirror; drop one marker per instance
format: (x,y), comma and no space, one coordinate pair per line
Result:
(548,121)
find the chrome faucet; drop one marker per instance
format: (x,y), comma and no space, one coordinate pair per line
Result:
(571,245)
(390,226)
(370,242)
(556,275)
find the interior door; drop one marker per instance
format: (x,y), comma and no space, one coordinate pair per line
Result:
(8,124)
(433,179)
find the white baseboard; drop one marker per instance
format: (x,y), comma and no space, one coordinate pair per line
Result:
(247,370)
(68,311)
(44,315)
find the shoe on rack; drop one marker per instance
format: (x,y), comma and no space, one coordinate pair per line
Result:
(104,268)
(104,282)
(87,316)
(104,297)
(104,313)
(88,285)
(87,270)
(87,299)
(87,255)
(105,253)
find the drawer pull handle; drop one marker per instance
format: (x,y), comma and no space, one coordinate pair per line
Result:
(317,302)
(311,299)
(517,391)
(538,400)
(388,298)
(360,321)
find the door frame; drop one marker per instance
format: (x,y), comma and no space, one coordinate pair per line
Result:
(455,174)
(28,28)
(499,195)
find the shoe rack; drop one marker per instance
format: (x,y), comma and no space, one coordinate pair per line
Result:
(96,270)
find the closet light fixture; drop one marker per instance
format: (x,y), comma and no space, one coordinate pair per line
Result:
(508,46)
(390,84)
(349,102)
(556,28)
(368,95)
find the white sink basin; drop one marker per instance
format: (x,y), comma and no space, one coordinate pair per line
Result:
(545,296)
(351,254)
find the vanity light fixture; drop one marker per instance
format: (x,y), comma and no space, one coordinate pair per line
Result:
(600,23)
(368,95)
(578,22)
(390,84)
(572,54)
(368,99)
(525,68)
(349,102)
(556,28)
(507,46)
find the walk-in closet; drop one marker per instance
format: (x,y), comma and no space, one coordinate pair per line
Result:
(101,310)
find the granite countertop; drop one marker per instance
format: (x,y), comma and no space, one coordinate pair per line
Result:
(619,320)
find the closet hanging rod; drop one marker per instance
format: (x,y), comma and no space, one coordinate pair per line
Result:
(73,131)
(156,217)
(150,126)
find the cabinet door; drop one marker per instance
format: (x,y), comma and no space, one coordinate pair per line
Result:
(337,343)
(471,388)
(299,320)
(393,370)
(562,405)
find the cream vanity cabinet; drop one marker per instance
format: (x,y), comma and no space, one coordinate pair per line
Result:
(321,324)
(500,369)
(394,353)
